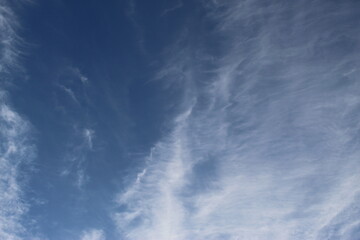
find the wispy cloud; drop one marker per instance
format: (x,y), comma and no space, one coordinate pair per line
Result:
(268,150)
(76,157)
(9,53)
(139,31)
(75,84)
(80,75)
(93,234)
(178,5)
(16,149)
(89,135)
(70,93)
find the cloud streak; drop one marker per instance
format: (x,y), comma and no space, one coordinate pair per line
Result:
(16,148)
(268,148)
(8,58)
(74,87)
(76,157)
(93,234)
(15,151)
(178,5)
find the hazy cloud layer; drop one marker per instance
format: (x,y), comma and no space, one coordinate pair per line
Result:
(249,111)
(266,147)
(16,149)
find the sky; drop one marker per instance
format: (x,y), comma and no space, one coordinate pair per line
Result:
(179,120)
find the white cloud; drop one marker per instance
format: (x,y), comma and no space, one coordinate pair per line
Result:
(74,84)
(93,234)
(89,135)
(269,149)
(16,149)
(81,140)
(70,93)
(8,53)
(80,75)
(77,155)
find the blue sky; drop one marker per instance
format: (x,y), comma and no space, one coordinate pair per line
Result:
(179,120)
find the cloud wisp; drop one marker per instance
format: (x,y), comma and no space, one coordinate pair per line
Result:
(168,10)
(9,39)
(76,156)
(93,234)
(71,84)
(268,150)
(16,148)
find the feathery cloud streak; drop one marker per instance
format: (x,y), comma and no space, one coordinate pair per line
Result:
(16,148)
(15,151)
(266,147)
